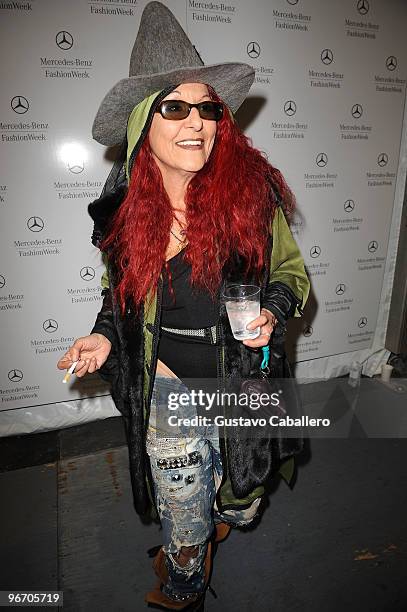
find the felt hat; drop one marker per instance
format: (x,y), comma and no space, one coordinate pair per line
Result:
(163,56)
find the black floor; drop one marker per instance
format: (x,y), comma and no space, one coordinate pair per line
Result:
(336,541)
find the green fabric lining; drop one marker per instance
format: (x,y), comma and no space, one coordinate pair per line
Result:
(136,123)
(287,264)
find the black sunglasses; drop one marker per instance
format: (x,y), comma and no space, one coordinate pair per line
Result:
(178,109)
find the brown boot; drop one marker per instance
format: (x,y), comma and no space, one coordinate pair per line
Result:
(222,531)
(157,598)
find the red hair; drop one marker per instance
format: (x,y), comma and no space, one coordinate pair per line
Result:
(229,208)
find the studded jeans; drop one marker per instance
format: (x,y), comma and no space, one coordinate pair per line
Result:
(187,472)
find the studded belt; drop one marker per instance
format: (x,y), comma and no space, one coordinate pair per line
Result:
(203,332)
(193,458)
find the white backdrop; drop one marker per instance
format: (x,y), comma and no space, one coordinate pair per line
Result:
(327,107)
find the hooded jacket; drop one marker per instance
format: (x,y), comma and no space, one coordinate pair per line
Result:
(130,367)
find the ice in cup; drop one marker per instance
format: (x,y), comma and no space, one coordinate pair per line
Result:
(243,306)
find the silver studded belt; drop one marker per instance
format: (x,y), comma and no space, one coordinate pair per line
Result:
(193,459)
(204,332)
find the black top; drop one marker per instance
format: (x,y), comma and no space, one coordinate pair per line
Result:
(188,308)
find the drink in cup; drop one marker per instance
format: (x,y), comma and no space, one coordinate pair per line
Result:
(243,306)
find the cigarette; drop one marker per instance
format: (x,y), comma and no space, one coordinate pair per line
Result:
(69,372)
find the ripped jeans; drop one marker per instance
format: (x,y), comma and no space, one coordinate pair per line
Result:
(187,472)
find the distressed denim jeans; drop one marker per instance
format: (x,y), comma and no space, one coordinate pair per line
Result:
(187,472)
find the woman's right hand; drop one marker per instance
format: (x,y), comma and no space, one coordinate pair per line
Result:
(91,353)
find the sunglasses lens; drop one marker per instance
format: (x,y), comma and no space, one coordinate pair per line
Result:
(174,109)
(178,109)
(212,111)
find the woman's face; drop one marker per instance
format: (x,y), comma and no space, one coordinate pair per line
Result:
(170,140)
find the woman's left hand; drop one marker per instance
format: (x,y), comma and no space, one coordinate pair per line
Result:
(266,321)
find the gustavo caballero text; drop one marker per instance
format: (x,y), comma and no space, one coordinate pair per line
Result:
(273,421)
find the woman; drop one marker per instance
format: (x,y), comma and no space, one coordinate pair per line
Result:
(192,207)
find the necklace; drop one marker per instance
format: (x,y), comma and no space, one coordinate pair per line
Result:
(182,243)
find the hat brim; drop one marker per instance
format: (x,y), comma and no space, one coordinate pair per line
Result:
(231,82)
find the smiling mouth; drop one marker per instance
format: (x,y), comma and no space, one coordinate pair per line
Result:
(191,144)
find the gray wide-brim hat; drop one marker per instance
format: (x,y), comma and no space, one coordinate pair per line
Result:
(163,56)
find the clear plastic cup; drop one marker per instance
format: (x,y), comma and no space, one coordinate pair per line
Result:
(243,306)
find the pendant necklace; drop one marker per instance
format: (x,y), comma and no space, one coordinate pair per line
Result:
(181,243)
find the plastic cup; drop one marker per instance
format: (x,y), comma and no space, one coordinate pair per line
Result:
(243,306)
(386,372)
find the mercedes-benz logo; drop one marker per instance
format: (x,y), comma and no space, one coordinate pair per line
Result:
(315,251)
(391,62)
(50,326)
(15,375)
(327,56)
(357,111)
(20,105)
(35,224)
(76,168)
(321,159)
(292,2)
(87,273)
(362,322)
(340,289)
(290,108)
(2,281)
(307,331)
(64,40)
(382,159)
(253,49)
(362,7)
(373,246)
(349,205)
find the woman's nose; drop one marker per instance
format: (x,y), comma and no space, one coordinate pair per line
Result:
(194,119)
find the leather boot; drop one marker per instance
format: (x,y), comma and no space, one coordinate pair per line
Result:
(222,531)
(157,598)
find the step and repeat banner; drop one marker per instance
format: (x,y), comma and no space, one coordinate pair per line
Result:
(327,107)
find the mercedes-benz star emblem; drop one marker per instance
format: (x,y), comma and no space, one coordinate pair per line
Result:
(315,251)
(290,108)
(87,273)
(307,331)
(15,375)
(50,326)
(64,40)
(340,289)
(20,105)
(35,224)
(321,159)
(2,281)
(391,62)
(349,205)
(357,111)
(382,159)
(327,56)
(253,49)
(373,246)
(292,2)
(362,322)
(76,168)
(362,7)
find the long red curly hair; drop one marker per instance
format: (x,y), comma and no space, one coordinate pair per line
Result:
(229,208)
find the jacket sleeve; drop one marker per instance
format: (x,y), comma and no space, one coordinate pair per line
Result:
(288,288)
(104,324)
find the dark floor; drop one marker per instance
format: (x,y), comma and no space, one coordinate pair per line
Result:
(336,541)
